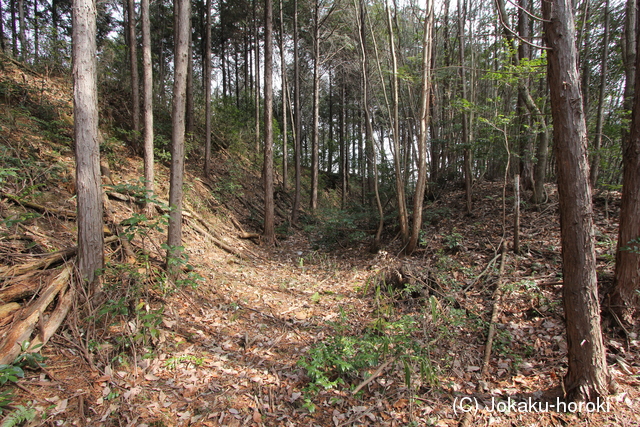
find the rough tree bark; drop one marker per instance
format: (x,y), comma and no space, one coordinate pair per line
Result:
(587,377)
(182,12)
(624,297)
(207,93)
(597,138)
(427,49)
(285,104)
(85,110)
(466,122)
(369,134)
(147,88)
(316,107)
(297,127)
(133,66)
(400,194)
(269,233)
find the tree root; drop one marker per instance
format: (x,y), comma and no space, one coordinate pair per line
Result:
(30,316)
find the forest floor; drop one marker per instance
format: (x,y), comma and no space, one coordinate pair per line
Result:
(316,331)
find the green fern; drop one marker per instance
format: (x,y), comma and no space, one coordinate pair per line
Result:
(21,415)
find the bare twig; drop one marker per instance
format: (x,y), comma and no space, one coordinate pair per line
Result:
(373,376)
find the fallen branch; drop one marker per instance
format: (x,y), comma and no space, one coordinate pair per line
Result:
(497,297)
(26,321)
(486,269)
(55,319)
(7,309)
(215,240)
(20,289)
(64,214)
(209,233)
(40,264)
(373,376)
(245,235)
(45,262)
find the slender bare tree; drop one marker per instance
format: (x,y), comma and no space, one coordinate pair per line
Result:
(297,124)
(597,138)
(315,134)
(269,217)
(427,49)
(133,65)
(207,93)
(403,216)
(147,89)
(285,105)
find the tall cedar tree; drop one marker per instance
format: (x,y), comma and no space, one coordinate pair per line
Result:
(297,124)
(587,377)
(624,299)
(182,13)
(207,93)
(269,218)
(133,65)
(85,110)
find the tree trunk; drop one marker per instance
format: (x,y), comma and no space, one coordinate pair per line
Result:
(397,155)
(182,13)
(526,146)
(133,66)
(269,219)
(223,54)
(624,297)
(297,125)
(597,140)
(147,87)
(3,40)
(23,40)
(189,107)
(36,31)
(587,377)
(256,52)
(207,93)
(427,50)
(344,150)
(466,140)
(285,103)
(88,181)
(369,134)
(14,28)
(316,107)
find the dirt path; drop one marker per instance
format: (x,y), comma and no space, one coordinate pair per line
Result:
(228,352)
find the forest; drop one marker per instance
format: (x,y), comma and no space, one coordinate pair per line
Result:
(319,213)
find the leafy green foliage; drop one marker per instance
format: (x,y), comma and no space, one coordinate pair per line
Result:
(343,357)
(7,172)
(180,261)
(188,359)
(453,241)
(336,227)
(28,358)
(632,246)
(20,218)
(20,415)
(10,373)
